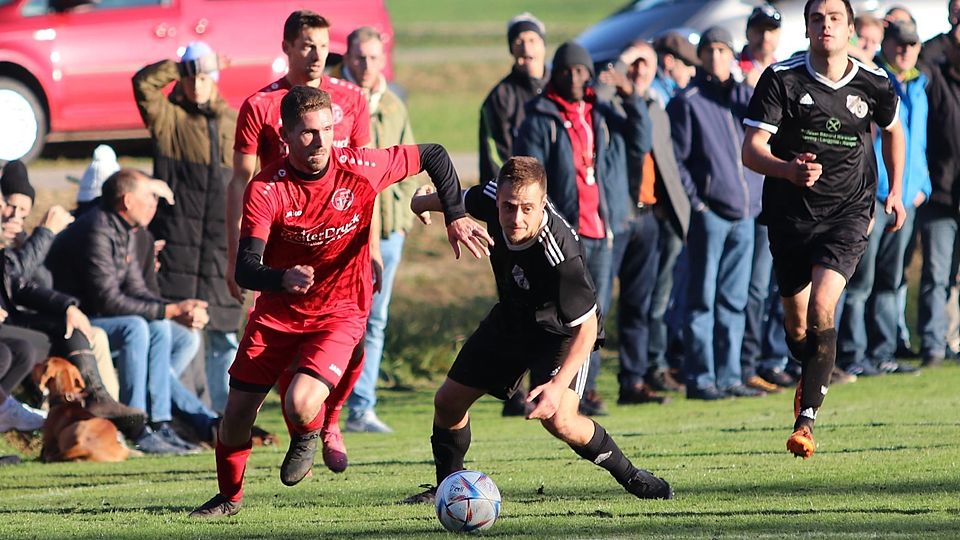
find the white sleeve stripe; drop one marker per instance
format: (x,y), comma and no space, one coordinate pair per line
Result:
(896,116)
(552,241)
(583,318)
(761,125)
(490,189)
(580,381)
(551,255)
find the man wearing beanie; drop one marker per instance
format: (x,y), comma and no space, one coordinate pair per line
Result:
(584,146)
(705,122)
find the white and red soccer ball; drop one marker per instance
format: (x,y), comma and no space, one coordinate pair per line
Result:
(467,501)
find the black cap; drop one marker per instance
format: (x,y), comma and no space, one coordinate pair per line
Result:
(524,22)
(766,16)
(677,45)
(572,53)
(903,32)
(15,180)
(715,34)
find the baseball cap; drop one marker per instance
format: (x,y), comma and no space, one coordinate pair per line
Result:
(766,16)
(677,45)
(903,32)
(199,58)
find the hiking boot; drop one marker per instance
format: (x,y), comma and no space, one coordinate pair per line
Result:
(516,405)
(591,404)
(839,376)
(801,443)
(99,402)
(645,485)
(368,422)
(640,393)
(217,507)
(15,416)
(759,383)
(299,459)
(739,390)
(777,376)
(334,451)
(425,497)
(662,380)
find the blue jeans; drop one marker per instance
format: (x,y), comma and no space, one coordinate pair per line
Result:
(143,362)
(871,300)
(184,345)
(775,352)
(635,260)
(757,302)
(669,245)
(220,349)
(364,395)
(598,257)
(938,236)
(720,255)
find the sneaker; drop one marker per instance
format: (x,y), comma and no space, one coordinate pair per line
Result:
(15,416)
(9,460)
(591,404)
(709,393)
(801,443)
(740,390)
(777,376)
(640,393)
(166,432)
(299,459)
(425,497)
(152,443)
(839,376)
(759,383)
(932,361)
(217,507)
(662,380)
(647,486)
(368,422)
(862,368)
(892,366)
(334,451)
(516,405)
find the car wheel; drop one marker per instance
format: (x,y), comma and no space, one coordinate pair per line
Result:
(24,122)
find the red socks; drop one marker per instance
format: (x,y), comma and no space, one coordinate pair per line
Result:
(231,464)
(340,393)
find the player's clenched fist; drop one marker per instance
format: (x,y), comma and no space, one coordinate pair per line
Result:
(803,171)
(298,279)
(471,234)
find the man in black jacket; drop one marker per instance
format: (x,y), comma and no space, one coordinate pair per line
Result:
(934,51)
(94,261)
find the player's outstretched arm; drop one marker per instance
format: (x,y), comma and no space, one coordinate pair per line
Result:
(894,156)
(584,336)
(802,171)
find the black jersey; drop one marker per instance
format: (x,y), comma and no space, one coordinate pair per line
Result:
(542,283)
(806,112)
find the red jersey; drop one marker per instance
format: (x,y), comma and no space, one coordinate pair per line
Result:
(323,223)
(258,124)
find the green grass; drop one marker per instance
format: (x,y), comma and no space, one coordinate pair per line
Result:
(886,468)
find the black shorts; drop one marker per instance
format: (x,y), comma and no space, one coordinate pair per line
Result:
(837,245)
(496,360)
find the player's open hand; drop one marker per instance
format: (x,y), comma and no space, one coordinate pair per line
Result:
(298,280)
(550,394)
(471,234)
(894,205)
(804,172)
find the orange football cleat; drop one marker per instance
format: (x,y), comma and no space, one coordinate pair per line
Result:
(801,443)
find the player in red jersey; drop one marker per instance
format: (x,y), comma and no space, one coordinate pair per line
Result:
(306,222)
(306,42)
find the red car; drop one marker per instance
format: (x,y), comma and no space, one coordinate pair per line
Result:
(66,65)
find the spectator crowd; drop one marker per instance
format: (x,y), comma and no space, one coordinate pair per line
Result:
(136,287)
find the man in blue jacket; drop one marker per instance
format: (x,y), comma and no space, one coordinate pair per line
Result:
(584,146)
(868,349)
(705,120)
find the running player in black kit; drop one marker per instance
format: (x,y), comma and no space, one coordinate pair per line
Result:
(546,322)
(808,131)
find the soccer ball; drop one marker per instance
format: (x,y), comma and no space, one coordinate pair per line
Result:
(467,501)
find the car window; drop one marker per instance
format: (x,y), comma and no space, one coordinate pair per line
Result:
(42,7)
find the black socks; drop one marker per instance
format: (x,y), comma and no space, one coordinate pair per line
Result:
(821,354)
(603,451)
(449,448)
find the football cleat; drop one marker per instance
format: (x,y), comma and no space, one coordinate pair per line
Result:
(801,443)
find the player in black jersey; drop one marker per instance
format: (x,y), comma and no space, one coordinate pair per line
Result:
(546,322)
(808,131)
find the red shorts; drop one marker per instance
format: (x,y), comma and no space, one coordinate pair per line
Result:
(264,353)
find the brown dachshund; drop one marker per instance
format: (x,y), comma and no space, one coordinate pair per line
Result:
(71,433)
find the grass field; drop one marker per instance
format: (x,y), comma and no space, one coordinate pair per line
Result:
(886,468)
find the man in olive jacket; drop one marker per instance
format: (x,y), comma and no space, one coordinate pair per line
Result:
(192,131)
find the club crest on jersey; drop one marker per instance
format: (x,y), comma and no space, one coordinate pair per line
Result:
(520,278)
(341,199)
(857,106)
(337,113)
